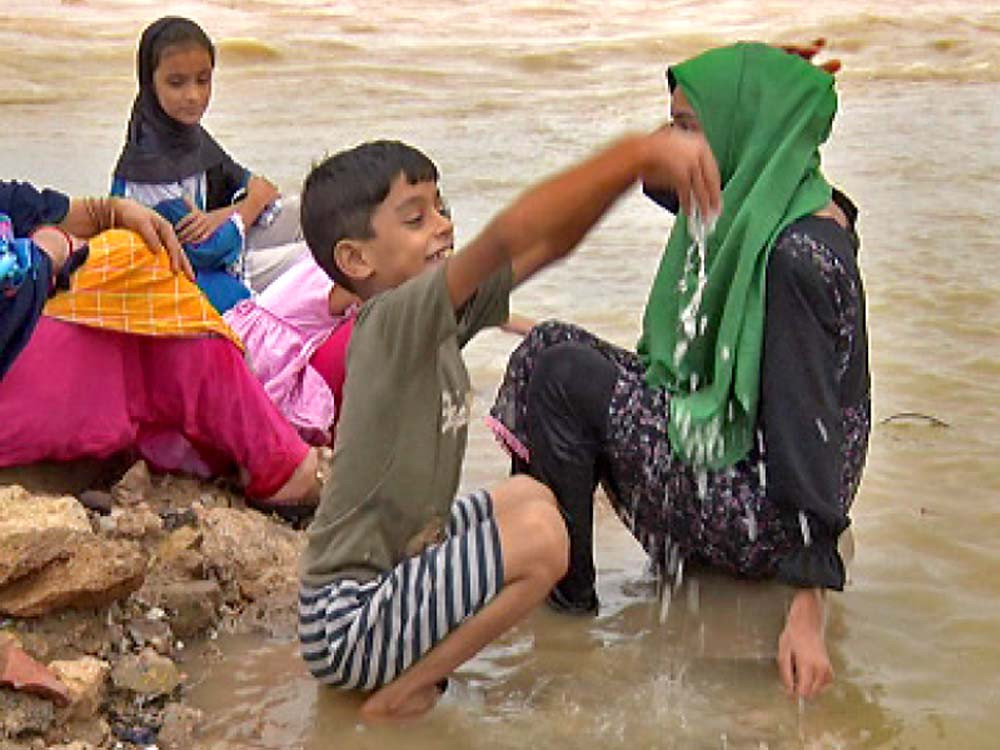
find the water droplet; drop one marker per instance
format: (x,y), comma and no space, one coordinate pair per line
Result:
(751,520)
(694,596)
(822,430)
(664,602)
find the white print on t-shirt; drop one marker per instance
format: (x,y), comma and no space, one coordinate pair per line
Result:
(456,411)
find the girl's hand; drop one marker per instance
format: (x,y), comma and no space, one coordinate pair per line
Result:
(803,662)
(198,226)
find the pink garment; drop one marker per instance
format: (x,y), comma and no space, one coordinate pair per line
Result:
(181,403)
(281,329)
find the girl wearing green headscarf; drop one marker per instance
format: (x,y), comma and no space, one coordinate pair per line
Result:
(736,435)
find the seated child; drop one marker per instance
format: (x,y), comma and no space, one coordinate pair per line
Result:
(402,581)
(172,164)
(296,333)
(38,253)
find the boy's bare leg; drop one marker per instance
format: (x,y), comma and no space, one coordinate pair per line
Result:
(535,551)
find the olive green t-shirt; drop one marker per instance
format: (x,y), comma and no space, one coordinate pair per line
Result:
(402,432)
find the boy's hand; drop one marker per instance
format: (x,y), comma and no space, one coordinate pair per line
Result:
(198,225)
(155,231)
(803,662)
(682,161)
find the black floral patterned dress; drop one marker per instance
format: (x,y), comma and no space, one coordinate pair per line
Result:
(778,512)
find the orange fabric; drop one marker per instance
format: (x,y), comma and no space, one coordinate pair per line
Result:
(125,287)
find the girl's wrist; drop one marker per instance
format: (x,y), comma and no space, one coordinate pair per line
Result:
(807,607)
(55,242)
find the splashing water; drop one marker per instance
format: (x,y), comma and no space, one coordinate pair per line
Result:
(822,429)
(751,520)
(804,527)
(695,260)
(694,596)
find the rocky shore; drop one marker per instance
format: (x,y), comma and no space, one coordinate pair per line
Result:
(102,592)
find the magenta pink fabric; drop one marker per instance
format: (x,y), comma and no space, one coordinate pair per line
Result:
(182,403)
(282,328)
(330,360)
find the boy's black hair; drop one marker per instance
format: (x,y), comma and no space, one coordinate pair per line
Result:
(172,31)
(341,193)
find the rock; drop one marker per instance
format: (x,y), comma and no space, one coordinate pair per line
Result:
(86,679)
(134,486)
(79,733)
(175,518)
(192,606)
(36,530)
(22,673)
(181,551)
(137,522)
(252,551)
(153,633)
(69,635)
(21,713)
(78,745)
(98,572)
(8,639)
(146,673)
(97,501)
(180,725)
(135,735)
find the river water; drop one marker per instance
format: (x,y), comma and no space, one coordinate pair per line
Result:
(501,94)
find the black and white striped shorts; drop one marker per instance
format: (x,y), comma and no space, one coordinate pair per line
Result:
(361,635)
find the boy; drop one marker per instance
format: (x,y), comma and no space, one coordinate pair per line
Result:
(403,582)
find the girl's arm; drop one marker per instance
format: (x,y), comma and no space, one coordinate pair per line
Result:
(260,192)
(199,225)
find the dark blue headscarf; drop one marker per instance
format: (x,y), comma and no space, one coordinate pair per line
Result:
(158,148)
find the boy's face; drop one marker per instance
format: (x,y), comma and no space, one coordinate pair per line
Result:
(183,82)
(413,231)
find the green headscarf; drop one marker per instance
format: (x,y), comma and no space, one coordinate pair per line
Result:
(764,112)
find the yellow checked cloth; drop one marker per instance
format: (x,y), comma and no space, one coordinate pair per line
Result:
(124,286)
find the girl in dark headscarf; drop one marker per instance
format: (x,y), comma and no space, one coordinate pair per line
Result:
(171,163)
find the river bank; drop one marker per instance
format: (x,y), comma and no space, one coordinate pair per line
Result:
(103,593)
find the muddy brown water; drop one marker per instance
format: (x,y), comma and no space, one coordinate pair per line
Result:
(501,94)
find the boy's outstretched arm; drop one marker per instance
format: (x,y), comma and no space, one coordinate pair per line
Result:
(548,221)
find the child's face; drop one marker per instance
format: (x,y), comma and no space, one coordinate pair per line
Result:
(413,231)
(183,82)
(682,113)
